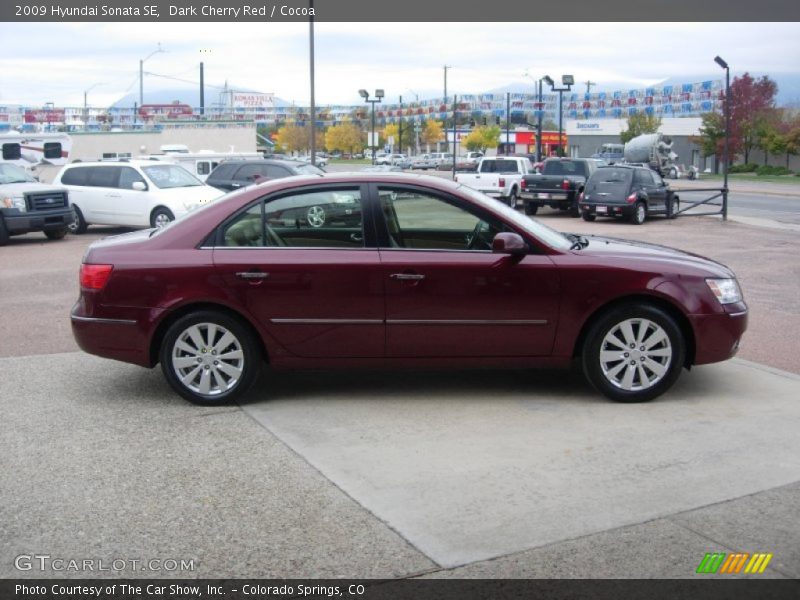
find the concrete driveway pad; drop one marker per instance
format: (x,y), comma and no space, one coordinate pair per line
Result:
(472,465)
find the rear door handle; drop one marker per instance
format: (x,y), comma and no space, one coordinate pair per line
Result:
(252,275)
(407,276)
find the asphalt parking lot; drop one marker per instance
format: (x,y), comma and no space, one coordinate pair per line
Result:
(385,475)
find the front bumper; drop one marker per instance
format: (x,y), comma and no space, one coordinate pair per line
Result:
(717,336)
(17,222)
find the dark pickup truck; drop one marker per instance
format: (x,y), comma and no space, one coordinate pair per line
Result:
(558,185)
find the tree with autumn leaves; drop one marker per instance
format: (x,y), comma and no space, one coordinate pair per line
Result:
(755,123)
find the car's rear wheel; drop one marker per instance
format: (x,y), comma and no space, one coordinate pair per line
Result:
(56,234)
(315,216)
(79,225)
(639,214)
(587,216)
(161,217)
(210,358)
(531,209)
(512,198)
(633,353)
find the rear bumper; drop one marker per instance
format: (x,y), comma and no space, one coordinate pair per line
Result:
(608,210)
(124,337)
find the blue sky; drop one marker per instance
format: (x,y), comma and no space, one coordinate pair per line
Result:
(57,62)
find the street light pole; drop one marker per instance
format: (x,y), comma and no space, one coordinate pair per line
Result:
(539,112)
(378,96)
(567,82)
(400,126)
(725,157)
(141,72)
(86,105)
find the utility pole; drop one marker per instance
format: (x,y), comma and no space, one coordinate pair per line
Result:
(589,85)
(202,92)
(508,122)
(311,76)
(446,146)
(400,126)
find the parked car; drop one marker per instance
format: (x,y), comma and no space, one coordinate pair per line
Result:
(424,162)
(235,174)
(135,193)
(392,159)
(557,185)
(499,177)
(626,191)
(27,205)
(438,275)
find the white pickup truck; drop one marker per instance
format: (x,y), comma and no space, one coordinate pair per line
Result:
(498,176)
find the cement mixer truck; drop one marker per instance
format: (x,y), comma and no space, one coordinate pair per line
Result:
(655,151)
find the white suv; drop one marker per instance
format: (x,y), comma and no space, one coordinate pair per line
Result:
(136,193)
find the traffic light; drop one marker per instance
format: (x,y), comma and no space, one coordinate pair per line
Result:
(484,120)
(472,122)
(497,120)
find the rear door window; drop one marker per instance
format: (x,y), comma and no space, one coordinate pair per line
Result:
(104,176)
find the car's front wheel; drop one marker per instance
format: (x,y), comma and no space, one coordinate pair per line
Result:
(315,216)
(161,217)
(210,358)
(587,216)
(79,225)
(56,234)
(633,353)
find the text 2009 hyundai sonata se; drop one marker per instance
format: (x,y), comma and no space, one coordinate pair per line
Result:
(431,274)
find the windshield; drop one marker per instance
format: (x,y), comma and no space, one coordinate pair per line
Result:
(549,236)
(167,176)
(308,169)
(14,174)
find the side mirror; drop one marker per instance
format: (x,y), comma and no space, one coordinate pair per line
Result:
(139,186)
(509,243)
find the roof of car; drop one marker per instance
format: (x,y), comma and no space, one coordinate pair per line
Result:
(133,162)
(267,161)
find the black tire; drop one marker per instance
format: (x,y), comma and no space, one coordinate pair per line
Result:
(3,232)
(676,206)
(224,385)
(531,209)
(56,234)
(639,214)
(512,199)
(587,216)
(161,217)
(654,370)
(79,225)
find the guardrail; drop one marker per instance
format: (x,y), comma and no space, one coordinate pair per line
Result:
(721,194)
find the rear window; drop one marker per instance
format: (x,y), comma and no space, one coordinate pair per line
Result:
(499,166)
(610,177)
(564,167)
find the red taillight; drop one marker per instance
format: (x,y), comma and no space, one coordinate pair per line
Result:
(565,184)
(631,199)
(523,185)
(502,182)
(95,277)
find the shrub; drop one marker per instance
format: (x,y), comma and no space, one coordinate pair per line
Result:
(769,170)
(745,168)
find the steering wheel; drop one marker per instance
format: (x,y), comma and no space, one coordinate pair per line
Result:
(475,240)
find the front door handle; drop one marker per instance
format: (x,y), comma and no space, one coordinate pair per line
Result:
(252,275)
(407,276)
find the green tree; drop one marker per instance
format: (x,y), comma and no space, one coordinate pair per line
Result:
(481,138)
(639,124)
(712,137)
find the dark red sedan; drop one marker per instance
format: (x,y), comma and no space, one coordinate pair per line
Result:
(425,272)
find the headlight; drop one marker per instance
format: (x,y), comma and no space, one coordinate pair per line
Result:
(17,202)
(725,290)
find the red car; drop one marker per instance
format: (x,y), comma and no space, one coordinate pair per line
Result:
(432,274)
